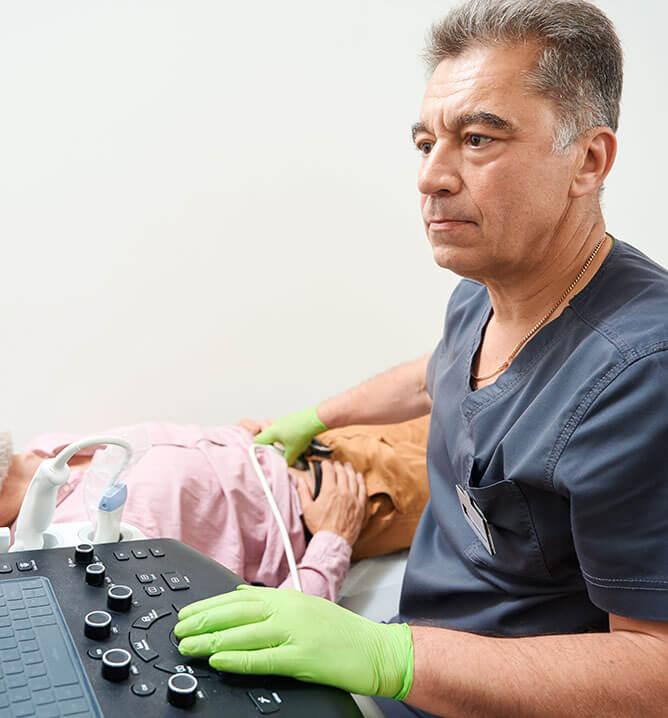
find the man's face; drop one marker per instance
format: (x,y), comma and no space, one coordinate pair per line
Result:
(496,170)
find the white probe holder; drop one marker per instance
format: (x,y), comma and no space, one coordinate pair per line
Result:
(58,535)
(76,532)
(71,534)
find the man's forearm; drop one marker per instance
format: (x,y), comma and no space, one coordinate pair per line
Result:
(618,674)
(398,394)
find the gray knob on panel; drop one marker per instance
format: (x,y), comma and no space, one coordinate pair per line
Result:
(182,690)
(116,664)
(97,625)
(84,553)
(95,573)
(119,598)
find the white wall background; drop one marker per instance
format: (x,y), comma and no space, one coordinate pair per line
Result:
(208,209)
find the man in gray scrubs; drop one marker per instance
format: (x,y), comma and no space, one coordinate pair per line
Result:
(537,583)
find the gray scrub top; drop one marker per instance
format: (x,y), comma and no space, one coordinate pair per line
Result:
(566,455)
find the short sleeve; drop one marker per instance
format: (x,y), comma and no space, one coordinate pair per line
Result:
(614,470)
(431,368)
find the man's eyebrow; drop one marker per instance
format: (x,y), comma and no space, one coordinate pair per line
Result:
(488,119)
(418,127)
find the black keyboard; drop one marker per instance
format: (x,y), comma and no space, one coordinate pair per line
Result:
(88,632)
(41,672)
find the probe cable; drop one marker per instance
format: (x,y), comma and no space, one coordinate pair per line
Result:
(289,553)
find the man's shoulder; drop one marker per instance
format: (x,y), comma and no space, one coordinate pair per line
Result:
(628,303)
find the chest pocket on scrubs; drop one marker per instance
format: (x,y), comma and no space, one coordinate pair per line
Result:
(517,551)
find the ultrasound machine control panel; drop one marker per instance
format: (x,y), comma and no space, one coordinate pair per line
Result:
(87,631)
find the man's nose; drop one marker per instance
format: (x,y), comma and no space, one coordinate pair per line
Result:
(439,171)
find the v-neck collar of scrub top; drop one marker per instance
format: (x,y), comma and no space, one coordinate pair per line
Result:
(476,399)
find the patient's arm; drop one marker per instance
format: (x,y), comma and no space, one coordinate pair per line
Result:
(335,519)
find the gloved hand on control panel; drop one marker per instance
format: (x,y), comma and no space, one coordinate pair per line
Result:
(287,633)
(295,431)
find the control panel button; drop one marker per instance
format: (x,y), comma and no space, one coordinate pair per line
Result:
(181,668)
(145,577)
(119,598)
(122,556)
(95,573)
(154,590)
(265,701)
(140,645)
(175,580)
(116,664)
(26,565)
(6,568)
(149,618)
(84,553)
(97,625)
(143,689)
(182,690)
(139,553)
(156,552)
(96,653)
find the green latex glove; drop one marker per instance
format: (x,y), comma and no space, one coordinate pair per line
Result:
(294,431)
(286,633)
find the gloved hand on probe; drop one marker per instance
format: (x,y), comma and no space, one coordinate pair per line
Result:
(294,431)
(287,633)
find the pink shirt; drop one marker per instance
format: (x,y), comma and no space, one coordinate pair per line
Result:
(196,484)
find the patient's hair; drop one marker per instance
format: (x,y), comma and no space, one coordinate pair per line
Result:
(580,64)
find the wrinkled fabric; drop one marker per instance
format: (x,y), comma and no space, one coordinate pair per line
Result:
(196,484)
(392,459)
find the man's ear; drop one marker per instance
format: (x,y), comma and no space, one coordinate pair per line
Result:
(597,156)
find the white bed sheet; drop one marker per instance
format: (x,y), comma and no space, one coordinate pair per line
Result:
(373,585)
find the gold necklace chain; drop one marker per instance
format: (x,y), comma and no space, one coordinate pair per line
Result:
(540,324)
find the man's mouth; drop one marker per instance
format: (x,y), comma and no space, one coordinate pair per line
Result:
(441,225)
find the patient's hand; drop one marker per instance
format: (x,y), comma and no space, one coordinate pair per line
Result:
(341,504)
(255,427)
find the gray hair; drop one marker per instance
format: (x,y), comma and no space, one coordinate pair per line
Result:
(580,66)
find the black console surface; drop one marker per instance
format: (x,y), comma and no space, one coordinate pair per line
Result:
(127,655)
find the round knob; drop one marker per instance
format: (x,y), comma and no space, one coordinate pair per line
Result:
(119,598)
(182,690)
(95,574)
(83,553)
(116,664)
(97,625)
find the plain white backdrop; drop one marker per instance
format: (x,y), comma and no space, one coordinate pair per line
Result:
(208,210)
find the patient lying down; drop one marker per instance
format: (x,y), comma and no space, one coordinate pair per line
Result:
(196,484)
